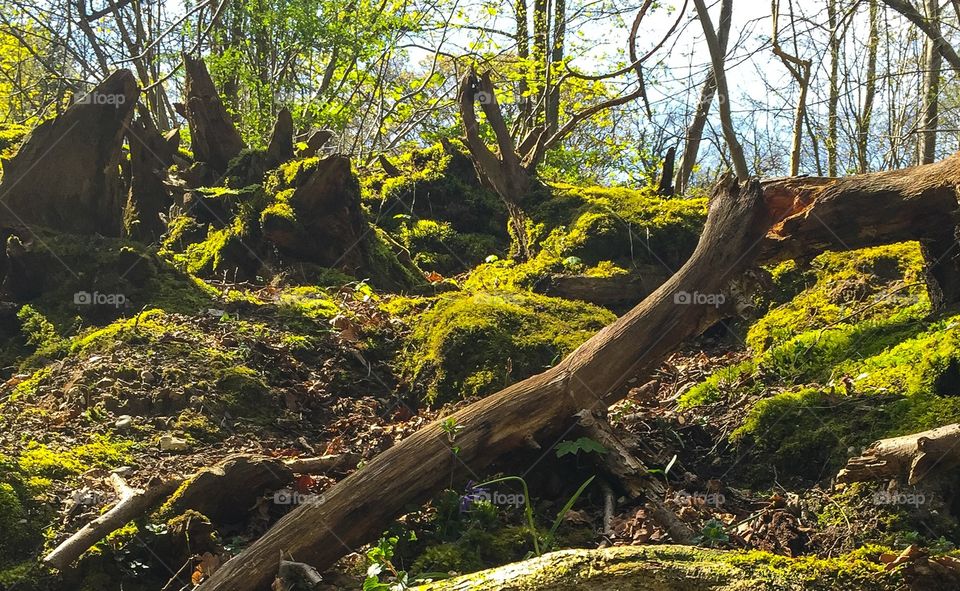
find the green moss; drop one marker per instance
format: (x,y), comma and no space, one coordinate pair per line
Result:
(470,344)
(678,567)
(101,451)
(42,335)
(884,282)
(308,302)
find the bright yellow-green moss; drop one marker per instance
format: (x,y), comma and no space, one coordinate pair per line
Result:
(850,359)
(469,344)
(883,282)
(677,567)
(100,451)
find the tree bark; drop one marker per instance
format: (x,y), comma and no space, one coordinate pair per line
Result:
(281,139)
(717,58)
(214,138)
(535,410)
(912,457)
(149,196)
(931,90)
(83,147)
(833,100)
(694,133)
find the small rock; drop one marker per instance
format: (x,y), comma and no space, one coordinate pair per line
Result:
(104,383)
(147,376)
(123,471)
(124,422)
(171,443)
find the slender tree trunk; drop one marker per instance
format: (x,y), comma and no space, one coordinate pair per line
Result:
(522,39)
(695,131)
(833,99)
(870,91)
(717,58)
(800,70)
(931,90)
(553,93)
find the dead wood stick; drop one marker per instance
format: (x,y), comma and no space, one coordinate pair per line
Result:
(131,503)
(911,457)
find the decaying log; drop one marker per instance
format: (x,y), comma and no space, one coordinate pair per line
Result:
(150,156)
(66,175)
(131,503)
(538,408)
(213,136)
(911,457)
(281,139)
(223,492)
(917,203)
(618,293)
(660,568)
(227,491)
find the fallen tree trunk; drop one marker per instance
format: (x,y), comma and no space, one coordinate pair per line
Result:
(535,410)
(672,568)
(910,457)
(917,203)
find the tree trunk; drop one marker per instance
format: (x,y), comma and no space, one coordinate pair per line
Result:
(532,412)
(717,59)
(694,134)
(150,156)
(214,138)
(866,113)
(910,457)
(833,100)
(66,175)
(931,89)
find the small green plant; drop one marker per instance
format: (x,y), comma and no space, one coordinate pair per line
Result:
(712,534)
(539,549)
(451,428)
(583,444)
(380,558)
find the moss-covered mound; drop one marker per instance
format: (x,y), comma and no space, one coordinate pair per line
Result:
(307,212)
(676,568)
(852,358)
(466,344)
(600,232)
(437,209)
